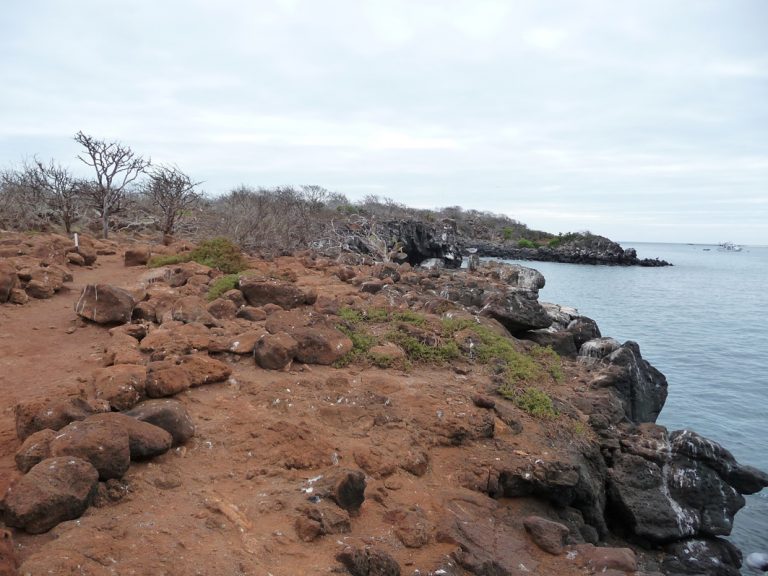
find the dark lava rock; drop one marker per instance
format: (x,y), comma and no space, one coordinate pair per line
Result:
(368,562)
(641,387)
(714,556)
(55,490)
(345,487)
(170,415)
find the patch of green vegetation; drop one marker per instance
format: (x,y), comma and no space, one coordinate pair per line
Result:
(376,315)
(362,342)
(382,361)
(561,239)
(168,260)
(417,351)
(507,233)
(219,253)
(532,400)
(350,315)
(410,317)
(550,360)
(222,284)
(525,243)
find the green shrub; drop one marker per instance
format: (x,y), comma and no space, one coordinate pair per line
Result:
(410,317)
(550,360)
(222,284)
(525,243)
(532,400)
(219,253)
(418,351)
(507,233)
(157,261)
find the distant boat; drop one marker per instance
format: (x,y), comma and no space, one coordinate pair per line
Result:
(706,249)
(729,247)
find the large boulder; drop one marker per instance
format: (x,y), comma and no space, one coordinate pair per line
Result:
(170,415)
(516,311)
(105,304)
(42,282)
(259,291)
(55,490)
(665,488)
(641,387)
(107,448)
(137,255)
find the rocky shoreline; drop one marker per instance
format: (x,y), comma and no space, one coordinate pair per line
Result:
(415,241)
(498,439)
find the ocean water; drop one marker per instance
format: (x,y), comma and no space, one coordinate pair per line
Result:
(704,324)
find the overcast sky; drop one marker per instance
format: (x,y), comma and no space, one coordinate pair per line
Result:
(639,120)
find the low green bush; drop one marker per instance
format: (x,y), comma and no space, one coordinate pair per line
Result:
(525,243)
(222,284)
(219,253)
(532,400)
(157,261)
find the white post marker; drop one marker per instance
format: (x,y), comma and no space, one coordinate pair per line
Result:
(77,241)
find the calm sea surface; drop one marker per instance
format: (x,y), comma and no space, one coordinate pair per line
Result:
(704,324)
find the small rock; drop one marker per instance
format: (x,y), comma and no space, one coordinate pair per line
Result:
(9,562)
(411,526)
(319,519)
(34,450)
(165,378)
(602,559)
(275,351)
(319,345)
(55,490)
(202,369)
(222,309)
(547,535)
(251,313)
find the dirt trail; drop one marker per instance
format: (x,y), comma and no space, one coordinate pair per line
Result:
(40,355)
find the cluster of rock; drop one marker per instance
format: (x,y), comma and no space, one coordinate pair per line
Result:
(36,267)
(581,249)
(676,489)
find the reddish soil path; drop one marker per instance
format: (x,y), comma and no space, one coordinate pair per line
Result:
(40,355)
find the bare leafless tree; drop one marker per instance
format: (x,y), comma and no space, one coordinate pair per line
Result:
(61,192)
(172,194)
(116,166)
